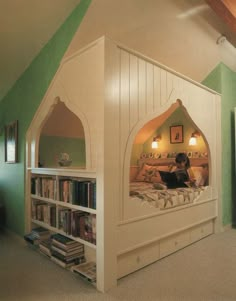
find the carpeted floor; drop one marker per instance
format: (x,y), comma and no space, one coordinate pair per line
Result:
(205,271)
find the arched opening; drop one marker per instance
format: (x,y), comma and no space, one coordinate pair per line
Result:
(62,139)
(172,131)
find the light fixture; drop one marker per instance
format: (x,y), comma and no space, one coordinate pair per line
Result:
(155,141)
(193,138)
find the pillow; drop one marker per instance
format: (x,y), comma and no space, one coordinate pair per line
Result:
(200,175)
(149,173)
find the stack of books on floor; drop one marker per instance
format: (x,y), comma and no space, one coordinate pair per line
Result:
(66,252)
(36,236)
(86,270)
(45,247)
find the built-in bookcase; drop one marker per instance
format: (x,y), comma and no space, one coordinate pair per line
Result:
(64,201)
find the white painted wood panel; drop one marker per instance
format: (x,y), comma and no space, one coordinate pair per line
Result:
(136,232)
(134,97)
(157,87)
(150,87)
(141,88)
(136,259)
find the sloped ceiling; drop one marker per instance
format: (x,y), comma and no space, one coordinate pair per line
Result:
(157,28)
(25,27)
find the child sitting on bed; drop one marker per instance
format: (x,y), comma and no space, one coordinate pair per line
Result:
(183,170)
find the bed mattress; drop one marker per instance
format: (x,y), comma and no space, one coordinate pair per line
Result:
(164,198)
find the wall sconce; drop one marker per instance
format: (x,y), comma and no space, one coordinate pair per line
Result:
(193,138)
(155,141)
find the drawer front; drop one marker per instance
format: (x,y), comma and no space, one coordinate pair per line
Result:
(136,259)
(201,231)
(174,243)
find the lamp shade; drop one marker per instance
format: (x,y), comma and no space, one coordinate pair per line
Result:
(192,141)
(154,144)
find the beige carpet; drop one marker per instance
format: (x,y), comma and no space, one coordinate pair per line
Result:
(205,271)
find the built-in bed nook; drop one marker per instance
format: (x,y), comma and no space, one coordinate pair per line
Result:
(124,101)
(177,134)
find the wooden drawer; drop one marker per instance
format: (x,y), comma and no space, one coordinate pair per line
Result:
(136,259)
(174,243)
(201,231)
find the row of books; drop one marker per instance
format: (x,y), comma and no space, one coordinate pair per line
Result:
(79,192)
(44,187)
(78,224)
(73,222)
(44,212)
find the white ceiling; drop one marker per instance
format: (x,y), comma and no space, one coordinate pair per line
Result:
(181,34)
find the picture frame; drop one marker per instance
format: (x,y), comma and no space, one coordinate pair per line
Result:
(176,134)
(11,142)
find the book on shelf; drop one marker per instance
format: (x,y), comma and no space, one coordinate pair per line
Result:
(78,224)
(64,220)
(78,192)
(86,270)
(44,212)
(44,187)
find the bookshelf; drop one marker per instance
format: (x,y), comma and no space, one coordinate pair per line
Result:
(63,201)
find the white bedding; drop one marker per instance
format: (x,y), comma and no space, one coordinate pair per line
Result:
(166,198)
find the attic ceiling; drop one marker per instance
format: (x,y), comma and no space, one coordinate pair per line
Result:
(27,25)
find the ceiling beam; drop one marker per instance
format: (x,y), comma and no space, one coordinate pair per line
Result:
(226,10)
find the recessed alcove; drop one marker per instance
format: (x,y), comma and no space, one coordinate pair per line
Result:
(177,115)
(62,133)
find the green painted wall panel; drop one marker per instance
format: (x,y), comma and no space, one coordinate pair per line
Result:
(21,103)
(177,118)
(51,147)
(223,80)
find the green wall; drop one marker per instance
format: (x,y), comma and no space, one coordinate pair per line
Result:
(50,148)
(21,103)
(178,117)
(223,80)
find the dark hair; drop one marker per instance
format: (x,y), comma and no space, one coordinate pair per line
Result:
(182,157)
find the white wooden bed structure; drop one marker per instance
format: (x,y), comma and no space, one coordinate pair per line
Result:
(115,91)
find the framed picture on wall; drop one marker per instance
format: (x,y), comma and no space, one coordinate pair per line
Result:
(11,141)
(176,134)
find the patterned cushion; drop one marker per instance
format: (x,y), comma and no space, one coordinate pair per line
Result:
(150,173)
(200,175)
